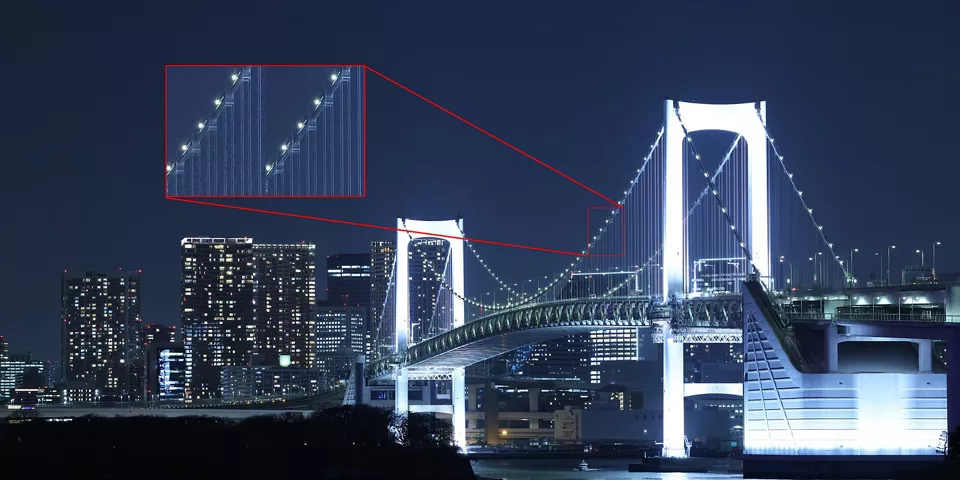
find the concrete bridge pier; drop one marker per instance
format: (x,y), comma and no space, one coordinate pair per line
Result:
(402,401)
(674,445)
(459,408)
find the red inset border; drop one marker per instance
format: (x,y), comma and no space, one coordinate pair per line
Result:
(623,229)
(166,134)
(196,201)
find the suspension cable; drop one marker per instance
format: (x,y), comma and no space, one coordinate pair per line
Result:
(803,201)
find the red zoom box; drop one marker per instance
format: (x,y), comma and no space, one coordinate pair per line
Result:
(623,233)
(166,136)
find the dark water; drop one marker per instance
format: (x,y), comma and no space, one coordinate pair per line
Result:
(614,469)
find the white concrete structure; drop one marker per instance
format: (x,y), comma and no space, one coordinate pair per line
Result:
(742,119)
(451,231)
(790,412)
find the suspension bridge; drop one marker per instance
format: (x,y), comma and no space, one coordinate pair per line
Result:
(696,232)
(233,151)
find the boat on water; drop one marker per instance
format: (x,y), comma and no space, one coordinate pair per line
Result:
(583,466)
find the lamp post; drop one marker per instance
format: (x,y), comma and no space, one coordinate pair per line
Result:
(933,268)
(852,276)
(790,266)
(920,252)
(888,262)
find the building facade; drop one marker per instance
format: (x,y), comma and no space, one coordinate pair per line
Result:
(383,255)
(251,382)
(218,311)
(101,334)
(154,332)
(286,295)
(20,371)
(340,338)
(166,373)
(427,261)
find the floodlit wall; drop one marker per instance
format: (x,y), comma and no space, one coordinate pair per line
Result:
(788,412)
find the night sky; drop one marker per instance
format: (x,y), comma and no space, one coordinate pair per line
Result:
(863,103)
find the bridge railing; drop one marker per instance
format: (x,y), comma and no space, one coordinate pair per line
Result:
(930,317)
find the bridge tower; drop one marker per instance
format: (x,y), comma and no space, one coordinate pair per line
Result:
(745,120)
(452,231)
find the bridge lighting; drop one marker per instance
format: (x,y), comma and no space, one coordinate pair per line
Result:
(217,102)
(283,147)
(790,175)
(733,227)
(799,193)
(200,125)
(333,77)
(183,147)
(234,77)
(316,101)
(169,167)
(723,209)
(269,167)
(831,246)
(300,126)
(810,210)
(820,227)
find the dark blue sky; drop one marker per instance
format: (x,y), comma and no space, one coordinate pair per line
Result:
(863,103)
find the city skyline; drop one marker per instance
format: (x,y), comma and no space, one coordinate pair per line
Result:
(834,138)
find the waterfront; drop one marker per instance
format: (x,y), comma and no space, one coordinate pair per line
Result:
(612,469)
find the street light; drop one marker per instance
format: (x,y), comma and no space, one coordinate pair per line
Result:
(921,257)
(855,250)
(933,268)
(790,265)
(888,262)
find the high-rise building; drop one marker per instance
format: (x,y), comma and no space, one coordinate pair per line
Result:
(20,371)
(383,255)
(218,310)
(250,382)
(349,285)
(4,349)
(166,373)
(427,261)
(340,338)
(154,332)
(348,280)
(100,334)
(286,295)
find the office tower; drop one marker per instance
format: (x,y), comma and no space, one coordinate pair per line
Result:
(218,311)
(427,264)
(53,374)
(348,285)
(100,335)
(20,371)
(348,280)
(4,349)
(383,254)
(611,346)
(340,338)
(254,382)
(286,295)
(166,373)
(154,332)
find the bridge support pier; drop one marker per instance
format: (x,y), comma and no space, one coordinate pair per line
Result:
(459,408)
(674,444)
(831,345)
(925,350)
(402,401)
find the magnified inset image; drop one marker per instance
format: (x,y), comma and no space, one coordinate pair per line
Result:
(264,131)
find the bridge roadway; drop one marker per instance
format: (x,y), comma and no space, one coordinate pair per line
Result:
(704,319)
(507,330)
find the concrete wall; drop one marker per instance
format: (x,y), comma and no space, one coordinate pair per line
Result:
(792,413)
